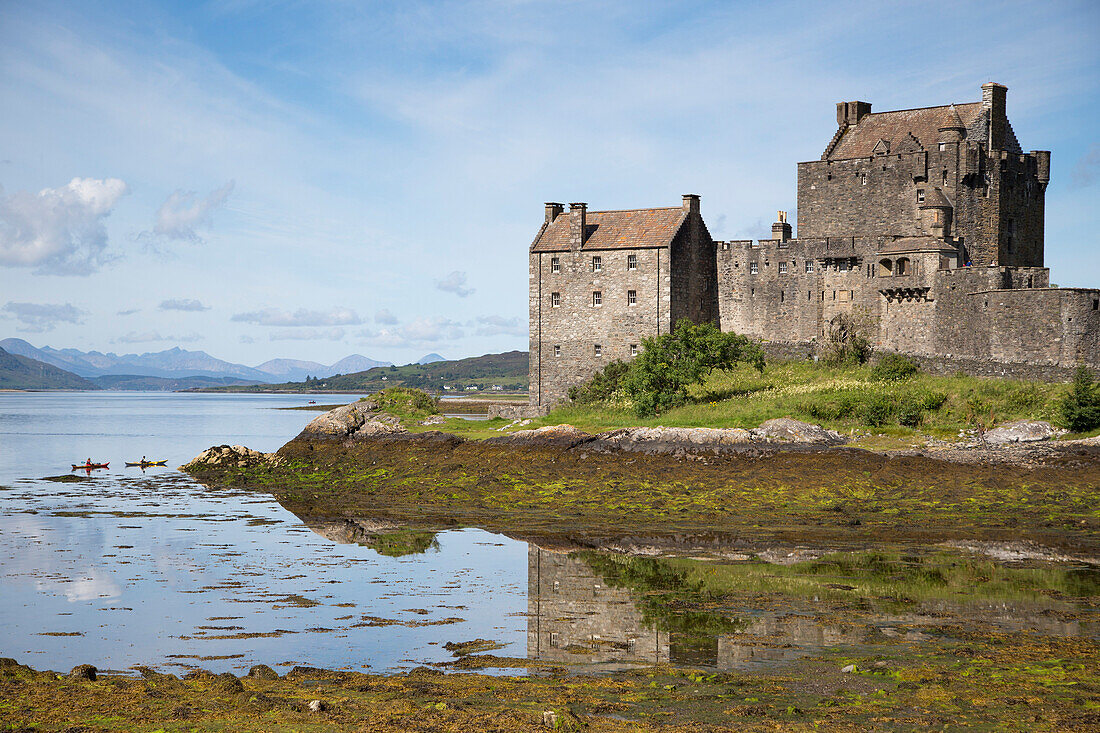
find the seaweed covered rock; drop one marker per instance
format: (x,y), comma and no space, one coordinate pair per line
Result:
(228,456)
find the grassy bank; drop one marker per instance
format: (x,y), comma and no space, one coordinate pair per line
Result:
(879,414)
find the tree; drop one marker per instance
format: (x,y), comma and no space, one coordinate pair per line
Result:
(1081,406)
(659,376)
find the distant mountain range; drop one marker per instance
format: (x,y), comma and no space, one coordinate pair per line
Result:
(177,363)
(20,372)
(430,358)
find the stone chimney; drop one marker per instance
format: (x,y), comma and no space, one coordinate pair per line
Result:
(850,113)
(1042,165)
(578,220)
(781,229)
(994,100)
(553,211)
(691,203)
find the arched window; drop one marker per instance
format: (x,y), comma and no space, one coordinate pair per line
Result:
(885,268)
(903,266)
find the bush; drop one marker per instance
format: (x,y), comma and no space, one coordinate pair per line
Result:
(658,378)
(848,344)
(1081,406)
(877,410)
(406,402)
(894,368)
(910,414)
(602,386)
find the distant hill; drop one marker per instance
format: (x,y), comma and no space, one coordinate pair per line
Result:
(507,370)
(21,372)
(430,358)
(137,383)
(177,363)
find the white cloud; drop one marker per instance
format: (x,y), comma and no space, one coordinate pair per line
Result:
(144,337)
(300,317)
(246,339)
(496,325)
(128,312)
(307,334)
(454,283)
(417,332)
(183,212)
(59,231)
(40,317)
(183,304)
(384,317)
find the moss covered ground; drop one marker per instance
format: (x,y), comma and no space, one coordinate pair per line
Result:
(1022,682)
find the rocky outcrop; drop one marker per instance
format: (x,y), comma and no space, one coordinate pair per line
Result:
(789,430)
(227,456)
(1021,431)
(551,436)
(673,440)
(357,420)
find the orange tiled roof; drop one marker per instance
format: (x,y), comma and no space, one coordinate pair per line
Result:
(632,229)
(924,124)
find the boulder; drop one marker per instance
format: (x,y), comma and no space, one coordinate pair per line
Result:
(1021,431)
(671,440)
(433,420)
(262,672)
(789,430)
(83,672)
(552,436)
(340,422)
(227,456)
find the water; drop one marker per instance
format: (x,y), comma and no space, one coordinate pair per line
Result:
(149,567)
(130,567)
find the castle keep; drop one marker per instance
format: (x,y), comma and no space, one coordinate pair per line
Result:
(924,225)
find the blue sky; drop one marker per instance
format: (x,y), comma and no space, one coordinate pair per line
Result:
(313,179)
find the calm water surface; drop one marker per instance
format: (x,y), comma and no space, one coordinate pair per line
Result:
(149,567)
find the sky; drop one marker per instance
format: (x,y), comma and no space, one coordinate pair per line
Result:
(314,179)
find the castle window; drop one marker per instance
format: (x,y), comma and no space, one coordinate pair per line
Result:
(634,349)
(842,265)
(782,268)
(557,350)
(903,265)
(885,268)
(809,265)
(553,634)
(555,265)
(632,297)
(555,300)
(597,263)
(597,350)
(863,179)
(1096,305)
(943,147)
(944,178)
(782,296)
(632,262)
(754,268)
(920,195)
(597,298)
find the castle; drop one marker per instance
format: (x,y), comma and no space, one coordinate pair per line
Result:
(925,225)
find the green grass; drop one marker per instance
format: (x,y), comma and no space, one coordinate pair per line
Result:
(846,399)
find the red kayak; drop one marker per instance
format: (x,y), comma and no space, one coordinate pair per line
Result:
(90,466)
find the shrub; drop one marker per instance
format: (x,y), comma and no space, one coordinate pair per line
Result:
(1081,406)
(406,402)
(831,407)
(658,378)
(910,414)
(602,386)
(894,368)
(877,410)
(848,344)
